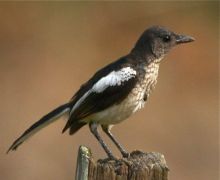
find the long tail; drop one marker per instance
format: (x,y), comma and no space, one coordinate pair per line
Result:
(43,122)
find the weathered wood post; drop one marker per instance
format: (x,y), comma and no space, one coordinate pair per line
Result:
(139,166)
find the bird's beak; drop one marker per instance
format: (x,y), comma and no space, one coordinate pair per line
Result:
(183,39)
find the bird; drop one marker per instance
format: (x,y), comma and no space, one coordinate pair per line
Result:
(116,91)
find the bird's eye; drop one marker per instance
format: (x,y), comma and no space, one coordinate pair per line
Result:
(166,38)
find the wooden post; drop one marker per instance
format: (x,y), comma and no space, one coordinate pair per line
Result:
(139,166)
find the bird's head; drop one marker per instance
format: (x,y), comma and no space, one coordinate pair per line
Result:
(158,41)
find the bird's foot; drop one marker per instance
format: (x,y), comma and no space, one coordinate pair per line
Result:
(112,158)
(125,154)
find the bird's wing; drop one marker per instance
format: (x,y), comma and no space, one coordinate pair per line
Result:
(108,90)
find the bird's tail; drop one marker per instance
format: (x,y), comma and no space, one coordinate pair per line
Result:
(43,122)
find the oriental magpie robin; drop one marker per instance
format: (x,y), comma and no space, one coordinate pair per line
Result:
(116,91)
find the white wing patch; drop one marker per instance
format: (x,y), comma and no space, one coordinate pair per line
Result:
(115,78)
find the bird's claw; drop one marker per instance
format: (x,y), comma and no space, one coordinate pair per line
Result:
(125,154)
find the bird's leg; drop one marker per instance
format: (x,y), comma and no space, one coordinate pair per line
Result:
(106,129)
(93,128)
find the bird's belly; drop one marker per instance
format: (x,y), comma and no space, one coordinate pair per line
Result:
(119,112)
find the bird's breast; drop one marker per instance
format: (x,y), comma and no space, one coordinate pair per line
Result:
(146,83)
(133,102)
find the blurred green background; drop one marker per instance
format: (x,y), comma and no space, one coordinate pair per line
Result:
(48,49)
